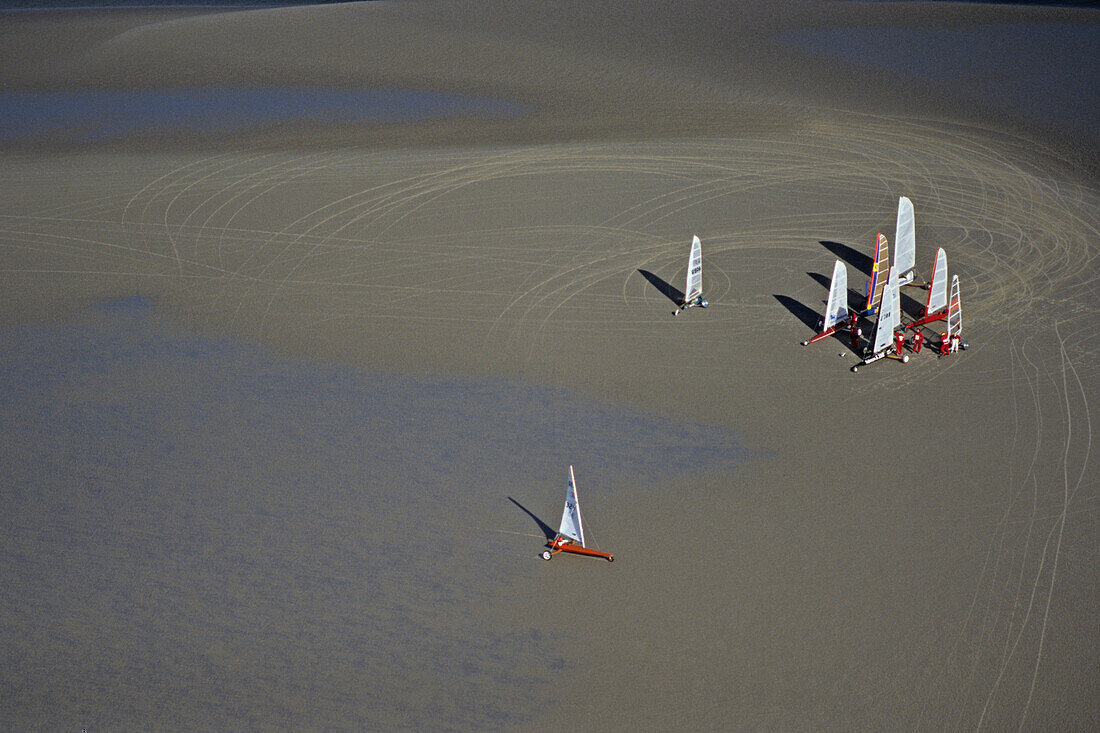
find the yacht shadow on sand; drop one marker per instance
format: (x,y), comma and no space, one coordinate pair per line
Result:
(859,260)
(807,315)
(546,529)
(822,280)
(667,290)
(854,296)
(911,306)
(813,319)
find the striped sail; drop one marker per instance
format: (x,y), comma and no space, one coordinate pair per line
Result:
(836,311)
(905,242)
(954,309)
(879,272)
(571,526)
(694,286)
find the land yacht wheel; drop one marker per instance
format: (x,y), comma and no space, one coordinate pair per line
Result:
(611,558)
(546,554)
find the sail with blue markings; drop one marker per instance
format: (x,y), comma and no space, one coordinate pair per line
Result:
(571,526)
(836,311)
(570,537)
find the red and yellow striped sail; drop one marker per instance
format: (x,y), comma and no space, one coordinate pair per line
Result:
(879,272)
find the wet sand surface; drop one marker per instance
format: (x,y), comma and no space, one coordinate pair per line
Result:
(288,410)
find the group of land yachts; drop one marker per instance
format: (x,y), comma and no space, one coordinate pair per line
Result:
(883,300)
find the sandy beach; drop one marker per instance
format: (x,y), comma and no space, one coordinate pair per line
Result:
(305,312)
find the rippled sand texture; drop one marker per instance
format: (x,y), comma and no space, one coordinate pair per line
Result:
(288,410)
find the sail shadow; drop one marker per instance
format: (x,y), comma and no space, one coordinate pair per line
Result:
(857,301)
(667,290)
(546,529)
(810,317)
(911,307)
(823,280)
(859,260)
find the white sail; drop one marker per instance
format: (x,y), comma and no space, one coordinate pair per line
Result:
(878,272)
(905,242)
(694,286)
(889,314)
(937,291)
(837,309)
(571,526)
(954,309)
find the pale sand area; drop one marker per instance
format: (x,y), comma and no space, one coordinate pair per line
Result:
(910,547)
